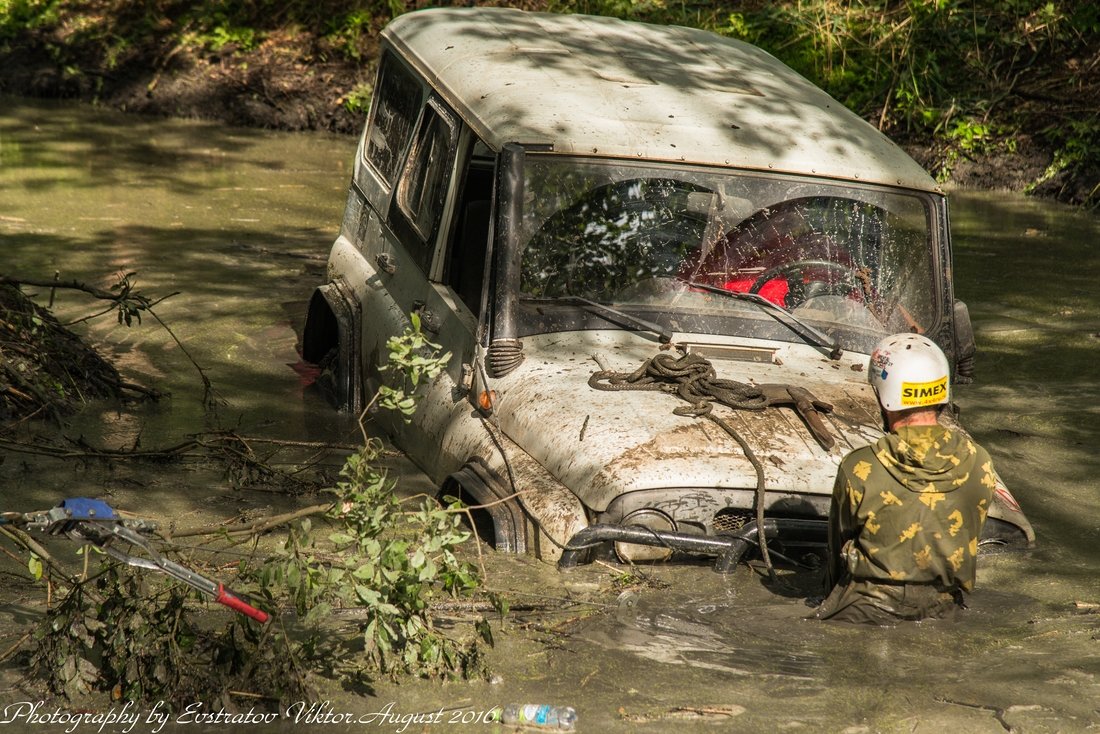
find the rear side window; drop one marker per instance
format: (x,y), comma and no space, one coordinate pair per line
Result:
(424,185)
(422,191)
(397,102)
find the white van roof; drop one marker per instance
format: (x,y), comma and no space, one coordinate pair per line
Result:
(601,86)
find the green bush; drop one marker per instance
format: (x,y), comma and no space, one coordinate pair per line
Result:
(19,16)
(390,561)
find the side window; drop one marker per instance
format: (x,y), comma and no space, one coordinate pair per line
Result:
(397,102)
(465,269)
(422,190)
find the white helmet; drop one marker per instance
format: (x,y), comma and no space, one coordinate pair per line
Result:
(909,371)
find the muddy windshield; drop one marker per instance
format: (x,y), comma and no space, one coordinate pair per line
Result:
(668,244)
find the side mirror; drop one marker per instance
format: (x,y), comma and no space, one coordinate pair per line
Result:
(965,347)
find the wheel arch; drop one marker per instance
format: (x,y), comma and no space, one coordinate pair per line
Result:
(331,339)
(497,513)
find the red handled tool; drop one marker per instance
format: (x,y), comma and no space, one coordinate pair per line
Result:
(95,522)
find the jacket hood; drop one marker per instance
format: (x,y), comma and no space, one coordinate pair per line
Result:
(927,458)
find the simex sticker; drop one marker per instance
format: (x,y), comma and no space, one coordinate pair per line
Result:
(916,394)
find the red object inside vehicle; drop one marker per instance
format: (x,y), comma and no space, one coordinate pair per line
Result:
(788,233)
(775,290)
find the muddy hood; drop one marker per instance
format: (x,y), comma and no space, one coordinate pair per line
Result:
(602,444)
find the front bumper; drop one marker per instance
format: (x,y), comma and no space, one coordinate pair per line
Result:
(729,548)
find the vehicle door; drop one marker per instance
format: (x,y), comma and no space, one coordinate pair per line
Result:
(439,222)
(393,279)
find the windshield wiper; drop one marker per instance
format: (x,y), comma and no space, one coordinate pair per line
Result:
(795,324)
(605,311)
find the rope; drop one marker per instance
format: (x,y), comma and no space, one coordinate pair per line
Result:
(692,378)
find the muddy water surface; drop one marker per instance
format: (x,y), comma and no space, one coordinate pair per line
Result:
(239,223)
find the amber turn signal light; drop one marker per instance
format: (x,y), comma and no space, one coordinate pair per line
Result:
(486,400)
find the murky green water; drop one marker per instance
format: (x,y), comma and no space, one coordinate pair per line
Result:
(239,223)
(232,226)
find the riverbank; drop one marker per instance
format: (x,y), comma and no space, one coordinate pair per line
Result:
(1010,103)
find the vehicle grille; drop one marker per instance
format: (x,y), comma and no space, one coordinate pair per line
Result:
(729,520)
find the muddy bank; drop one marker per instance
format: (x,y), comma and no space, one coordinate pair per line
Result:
(1021,169)
(289,82)
(282,74)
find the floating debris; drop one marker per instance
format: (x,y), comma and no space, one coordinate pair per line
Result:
(45,369)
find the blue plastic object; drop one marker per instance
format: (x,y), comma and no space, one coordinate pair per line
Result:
(83,508)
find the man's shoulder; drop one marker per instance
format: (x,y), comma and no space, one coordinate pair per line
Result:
(857,456)
(980,451)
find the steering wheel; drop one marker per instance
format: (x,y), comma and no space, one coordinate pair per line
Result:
(800,291)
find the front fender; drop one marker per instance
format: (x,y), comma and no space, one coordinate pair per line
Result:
(504,473)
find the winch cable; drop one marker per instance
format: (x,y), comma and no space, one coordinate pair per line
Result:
(492,423)
(760,492)
(692,378)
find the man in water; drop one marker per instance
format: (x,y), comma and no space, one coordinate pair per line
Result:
(907,511)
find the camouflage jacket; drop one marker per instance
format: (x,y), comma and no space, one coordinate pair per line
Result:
(910,508)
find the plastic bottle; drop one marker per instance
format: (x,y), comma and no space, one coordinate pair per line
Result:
(562,718)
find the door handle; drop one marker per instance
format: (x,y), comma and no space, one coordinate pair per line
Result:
(386,263)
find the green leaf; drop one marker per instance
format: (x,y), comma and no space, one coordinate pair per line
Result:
(34,565)
(341,539)
(484,630)
(318,613)
(367,595)
(364,572)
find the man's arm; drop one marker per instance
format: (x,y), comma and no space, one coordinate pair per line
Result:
(839,522)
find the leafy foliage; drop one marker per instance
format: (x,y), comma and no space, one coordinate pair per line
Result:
(358,99)
(1076,160)
(412,360)
(115,634)
(128,302)
(16,16)
(220,32)
(390,561)
(142,642)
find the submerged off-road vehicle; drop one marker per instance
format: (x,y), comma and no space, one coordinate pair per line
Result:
(659,258)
